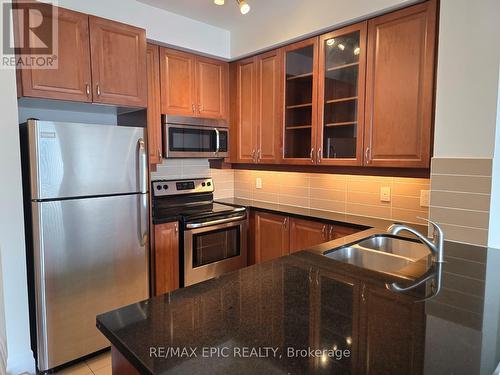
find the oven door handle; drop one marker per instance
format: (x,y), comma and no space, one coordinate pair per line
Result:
(216,222)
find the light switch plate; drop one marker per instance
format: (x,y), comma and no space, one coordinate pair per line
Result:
(424,198)
(385,194)
(258,183)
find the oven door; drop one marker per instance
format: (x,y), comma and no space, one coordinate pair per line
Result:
(213,248)
(186,141)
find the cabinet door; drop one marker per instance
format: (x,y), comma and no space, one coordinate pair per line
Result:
(339,231)
(177,82)
(341,96)
(269,107)
(300,112)
(154,112)
(245,111)
(72,78)
(211,86)
(166,257)
(306,233)
(399,87)
(271,236)
(392,333)
(118,63)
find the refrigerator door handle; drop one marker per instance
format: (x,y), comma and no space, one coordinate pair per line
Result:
(143,166)
(142,200)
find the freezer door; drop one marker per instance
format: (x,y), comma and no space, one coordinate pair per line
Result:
(78,160)
(90,257)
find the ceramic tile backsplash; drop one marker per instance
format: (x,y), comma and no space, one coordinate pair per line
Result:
(460,198)
(197,168)
(358,195)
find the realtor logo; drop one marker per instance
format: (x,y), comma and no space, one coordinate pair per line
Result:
(29,34)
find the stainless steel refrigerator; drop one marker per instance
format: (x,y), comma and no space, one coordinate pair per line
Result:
(86,200)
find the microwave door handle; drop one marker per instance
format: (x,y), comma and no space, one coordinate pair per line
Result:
(217,141)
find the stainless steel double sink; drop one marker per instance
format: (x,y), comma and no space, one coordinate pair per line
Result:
(382,253)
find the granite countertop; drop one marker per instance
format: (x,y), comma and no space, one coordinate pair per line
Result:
(336,217)
(257,320)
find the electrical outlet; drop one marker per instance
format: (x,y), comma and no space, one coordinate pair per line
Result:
(385,194)
(424,198)
(258,183)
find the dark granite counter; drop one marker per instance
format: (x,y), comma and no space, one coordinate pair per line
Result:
(305,314)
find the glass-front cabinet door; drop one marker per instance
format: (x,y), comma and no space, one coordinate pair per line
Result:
(342,62)
(299,120)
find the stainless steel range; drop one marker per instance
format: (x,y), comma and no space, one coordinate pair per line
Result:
(213,236)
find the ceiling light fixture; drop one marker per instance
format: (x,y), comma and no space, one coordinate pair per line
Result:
(219,2)
(244,7)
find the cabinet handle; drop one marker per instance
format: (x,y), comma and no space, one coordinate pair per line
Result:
(285,222)
(253,155)
(176,228)
(98,89)
(87,89)
(200,107)
(311,155)
(193,107)
(367,155)
(363,296)
(323,231)
(319,156)
(258,155)
(330,232)
(159,154)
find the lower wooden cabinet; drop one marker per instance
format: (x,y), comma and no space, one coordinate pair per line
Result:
(274,235)
(166,258)
(269,237)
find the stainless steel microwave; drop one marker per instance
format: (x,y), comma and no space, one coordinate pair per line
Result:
(189,137)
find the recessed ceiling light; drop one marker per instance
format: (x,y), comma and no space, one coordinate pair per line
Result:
(219,2)
(330,42)
(244,7)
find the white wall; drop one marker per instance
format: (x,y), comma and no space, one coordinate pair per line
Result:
(297,18)
(467,78)
(20,357)
(160,25)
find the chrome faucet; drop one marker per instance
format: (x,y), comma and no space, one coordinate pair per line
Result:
(436,246)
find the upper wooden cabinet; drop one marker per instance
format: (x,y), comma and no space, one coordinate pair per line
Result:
(118,63)
(342,57)
(300,72)
(399,87)
(72,79)
(99,61)
(193,85)
(256,115)
(154,111)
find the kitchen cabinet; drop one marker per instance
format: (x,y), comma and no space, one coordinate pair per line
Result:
(269,235)
(392,328)
(72,79)
(307,233)
(166,258)
(274,235)
(257,117)
(400,87)
(193,85)
(341,86)
(153,111)
(98,60)
(118,63)
(300,72)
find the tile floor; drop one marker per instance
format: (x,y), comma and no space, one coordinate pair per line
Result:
(99,365)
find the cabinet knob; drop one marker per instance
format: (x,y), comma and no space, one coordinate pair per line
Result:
(311,155)
(98,89)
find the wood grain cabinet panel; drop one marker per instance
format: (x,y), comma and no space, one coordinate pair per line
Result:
(270,236)
(399,87)
(118,63)
(306,233)
(339,231)
(211,86)
(154,111)
(177,82)
(166,257)
(72,78)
